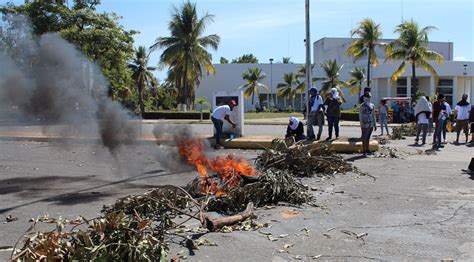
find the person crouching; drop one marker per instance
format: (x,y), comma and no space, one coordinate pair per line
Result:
(218,116)
(295,129)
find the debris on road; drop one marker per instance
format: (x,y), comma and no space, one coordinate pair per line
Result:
(401,132)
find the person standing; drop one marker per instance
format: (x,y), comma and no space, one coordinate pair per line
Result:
(333,112)
(430,120)
(471,120)
(367,122)
(383,116)
(422,115)
(218,116)
(448,112)
(439,117)
(462,117)
(316,114)
(295,129)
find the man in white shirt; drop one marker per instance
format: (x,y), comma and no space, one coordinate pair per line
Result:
(218,116)
(462,117)
(316,114)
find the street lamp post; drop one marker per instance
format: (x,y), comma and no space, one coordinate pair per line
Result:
(271,82)
(465,78)
(308,56)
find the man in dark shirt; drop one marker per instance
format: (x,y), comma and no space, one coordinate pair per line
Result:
(438,109)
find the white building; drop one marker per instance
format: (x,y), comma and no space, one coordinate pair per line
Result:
(454,77)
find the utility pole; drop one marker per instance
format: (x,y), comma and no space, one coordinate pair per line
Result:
(308,58)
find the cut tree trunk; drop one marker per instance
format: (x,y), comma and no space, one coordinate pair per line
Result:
(213,224)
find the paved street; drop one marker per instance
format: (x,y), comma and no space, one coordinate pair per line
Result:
(420,207)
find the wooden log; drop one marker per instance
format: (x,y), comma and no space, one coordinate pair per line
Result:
(213,224)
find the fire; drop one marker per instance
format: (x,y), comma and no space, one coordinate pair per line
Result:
(227,169)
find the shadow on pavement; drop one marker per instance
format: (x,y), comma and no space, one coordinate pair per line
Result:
(83,196)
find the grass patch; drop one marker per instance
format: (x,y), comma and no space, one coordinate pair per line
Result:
(251,115)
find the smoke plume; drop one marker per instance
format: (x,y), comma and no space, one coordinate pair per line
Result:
(47,80)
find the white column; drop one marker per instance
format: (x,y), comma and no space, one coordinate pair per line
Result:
(408,86)
(389,87)
(455,89)
(375,91)
(432,89)
(472,90)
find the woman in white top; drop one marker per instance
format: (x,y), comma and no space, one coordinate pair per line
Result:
(422,115)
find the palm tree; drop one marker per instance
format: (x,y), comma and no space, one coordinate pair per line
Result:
(202,101)
(301,82)
(286,60)
(369,35)
(412,47)
(358,77)
(253,76)
(185,50)
(287,89)
(142,74)
(331,80)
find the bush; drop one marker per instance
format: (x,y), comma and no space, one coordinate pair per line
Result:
(176,115)
(350,115)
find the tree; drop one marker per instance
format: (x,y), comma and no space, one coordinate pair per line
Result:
(202,101)
(253,76)
(301,82)
(369,35)
(412,47)
(223,60)
(286,60)
(245,59)
(185,50)
(332,71)
(287,89)
(358,77)
(142,74)
(98,35)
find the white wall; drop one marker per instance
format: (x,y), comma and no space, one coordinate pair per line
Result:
(228,77)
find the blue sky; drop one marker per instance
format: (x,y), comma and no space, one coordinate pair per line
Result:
(275,28)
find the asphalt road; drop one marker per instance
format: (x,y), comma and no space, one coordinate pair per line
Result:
(420,207)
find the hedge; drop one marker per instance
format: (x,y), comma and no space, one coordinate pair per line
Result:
(349,116)
(176,115)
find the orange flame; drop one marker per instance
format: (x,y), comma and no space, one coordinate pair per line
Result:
(228,169)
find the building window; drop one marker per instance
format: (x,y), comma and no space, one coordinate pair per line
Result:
(401,87)
(445,87)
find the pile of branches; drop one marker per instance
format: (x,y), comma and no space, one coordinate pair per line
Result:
(401,132)
(133,229)
(301,160)
(273,186)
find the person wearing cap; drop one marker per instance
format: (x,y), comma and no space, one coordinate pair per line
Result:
(316,114)
(295,129)
(367,121)
(333,112)
(462,117)
(218,116)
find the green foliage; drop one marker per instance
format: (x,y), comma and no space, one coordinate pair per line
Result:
(245,59)
(252,77)
(142,74)
(368,35)
(286,60)
(176,115)
(185,50)
(223,60)
(287,88)
(358,77)
(332,71)
(412,47)
(98,35)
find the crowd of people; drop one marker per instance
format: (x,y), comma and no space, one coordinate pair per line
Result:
(425,114)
